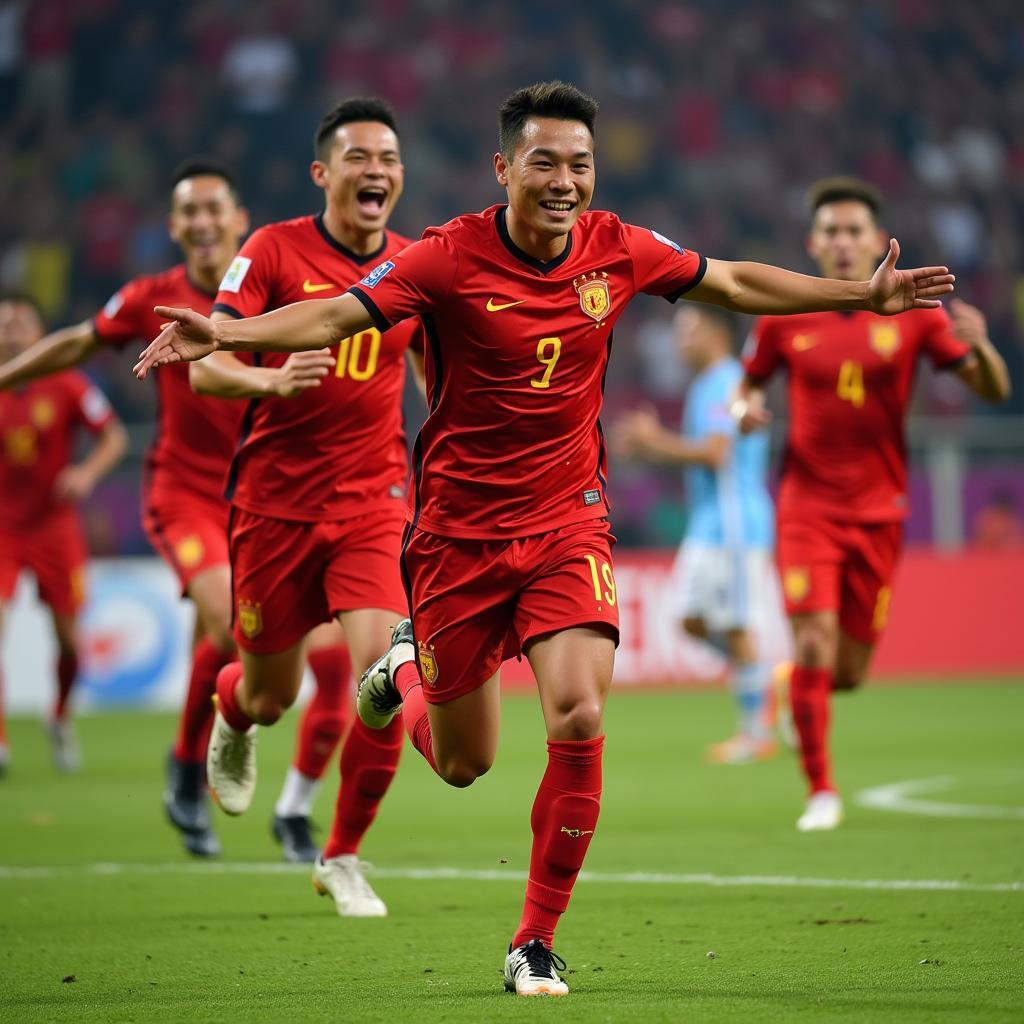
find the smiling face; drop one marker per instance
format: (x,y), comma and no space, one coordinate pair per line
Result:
(550,177)
(362,177)
(845,241)
(207,222)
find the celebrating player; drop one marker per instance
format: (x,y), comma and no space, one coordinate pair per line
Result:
(723,578)
(317,486)
(843,494)
(40,488)
(510,550)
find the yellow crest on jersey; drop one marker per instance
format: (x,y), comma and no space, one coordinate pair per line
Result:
(250,618)
(796,582)
(43,413)
(885,339)
(595,294)
(190,551)
(428,664)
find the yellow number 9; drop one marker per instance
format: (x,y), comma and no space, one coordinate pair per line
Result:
(548,351)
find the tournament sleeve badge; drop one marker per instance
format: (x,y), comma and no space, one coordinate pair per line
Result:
(885,339)
(428,663)
(595,294)
(250,618)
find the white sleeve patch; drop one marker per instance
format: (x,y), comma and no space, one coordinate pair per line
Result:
(113,306)
(236,274)
(95,406)
(667,241)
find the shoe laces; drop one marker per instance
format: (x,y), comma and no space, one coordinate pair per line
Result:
(236,749)
(543,962)
(354,871)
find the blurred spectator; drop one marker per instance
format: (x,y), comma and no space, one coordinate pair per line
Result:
(998,526)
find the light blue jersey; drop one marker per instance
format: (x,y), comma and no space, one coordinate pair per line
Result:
(729,507)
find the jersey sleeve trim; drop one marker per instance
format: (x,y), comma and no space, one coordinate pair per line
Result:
(379,319)
(956,361)
(702,268)
(223,307)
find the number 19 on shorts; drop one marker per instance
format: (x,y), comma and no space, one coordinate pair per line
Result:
(602,579)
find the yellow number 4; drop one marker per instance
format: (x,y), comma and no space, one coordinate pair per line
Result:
(548,351)
(604,576)
(850,386)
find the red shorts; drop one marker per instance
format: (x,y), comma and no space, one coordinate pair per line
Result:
(188,530)
(287,577)
(843,567)
(477,603)
(55,553)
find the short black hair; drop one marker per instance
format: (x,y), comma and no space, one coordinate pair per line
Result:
(196,166)
(721,317)
(23,298)
(543,99)
(840,189)
(355,108)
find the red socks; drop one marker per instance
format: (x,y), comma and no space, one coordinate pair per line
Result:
(197,714)
(563,820)
(227,682)
(369,759)
(328,713)
(809,690)
(414,710)
(67,671)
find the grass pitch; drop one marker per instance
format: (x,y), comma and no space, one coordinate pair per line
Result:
(704,902)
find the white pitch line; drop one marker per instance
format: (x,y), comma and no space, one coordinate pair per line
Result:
(12,873)
(902,797)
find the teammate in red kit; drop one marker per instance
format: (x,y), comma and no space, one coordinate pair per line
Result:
(510,548)
(40,488)
(317,486)
(843,493)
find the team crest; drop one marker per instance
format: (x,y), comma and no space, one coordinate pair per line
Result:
(595,295)
(190,551)
(797,584)
(428,663)
(250,618)
(43,413)
(885,339)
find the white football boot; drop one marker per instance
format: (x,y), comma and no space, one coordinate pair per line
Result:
(231,766)
(342,877)
(378,699)
(530,970)
(824,812)
(67,758)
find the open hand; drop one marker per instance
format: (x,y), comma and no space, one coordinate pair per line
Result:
(301,371)
(188,336)
(893,291)
(968,323)
(73,484)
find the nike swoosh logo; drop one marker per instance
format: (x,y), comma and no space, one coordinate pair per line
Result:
(493,307)
(312,289)
(802,342)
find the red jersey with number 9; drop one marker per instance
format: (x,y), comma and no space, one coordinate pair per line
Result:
(516,356)
(850,375)
(337,450)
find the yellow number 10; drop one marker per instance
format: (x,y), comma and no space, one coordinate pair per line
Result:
(548,351)
(850,386)
(353,361)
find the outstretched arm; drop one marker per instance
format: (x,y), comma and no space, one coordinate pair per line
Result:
(313,324)
(762,289)
(748,408)
(983,371)
(58,351)
(639,435)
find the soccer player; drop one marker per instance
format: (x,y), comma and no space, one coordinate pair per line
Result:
(317,486)
(40,488)
(509,550)
(843,493)
(723,576)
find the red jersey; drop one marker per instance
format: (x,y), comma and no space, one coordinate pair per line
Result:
(338,450)
(195,435)
(516,356)
(850,375)
(38,424)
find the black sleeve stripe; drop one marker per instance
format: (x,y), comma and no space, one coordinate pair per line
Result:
(371,307)
(955,362)
(702,268)
(223,307)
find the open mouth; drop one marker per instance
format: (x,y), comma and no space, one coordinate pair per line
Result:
(371,200)
(557,205)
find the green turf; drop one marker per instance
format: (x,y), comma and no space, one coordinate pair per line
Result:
(155,941)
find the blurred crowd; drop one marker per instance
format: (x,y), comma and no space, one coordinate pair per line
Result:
(715,115)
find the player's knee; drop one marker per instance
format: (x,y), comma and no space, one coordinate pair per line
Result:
(462,771)
(219,634)
(814,647)
(846,678)
(266,708)
(581,721)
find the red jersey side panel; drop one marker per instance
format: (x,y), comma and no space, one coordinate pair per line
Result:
(516,356)
(196,435)
(338,450)
(38,425)
(850,376)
